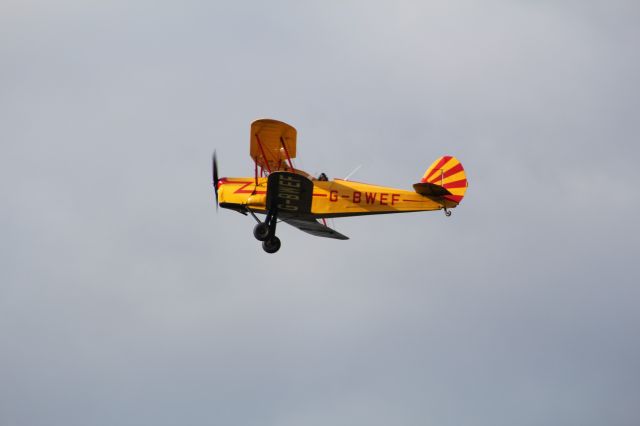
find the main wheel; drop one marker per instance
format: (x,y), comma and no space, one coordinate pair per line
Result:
(261,231)
(271,245)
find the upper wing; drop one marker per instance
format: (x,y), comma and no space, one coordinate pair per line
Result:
(273,144)
(313,227)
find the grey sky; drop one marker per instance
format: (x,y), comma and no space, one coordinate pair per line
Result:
(125,299)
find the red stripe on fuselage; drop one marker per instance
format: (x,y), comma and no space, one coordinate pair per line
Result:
(242,189)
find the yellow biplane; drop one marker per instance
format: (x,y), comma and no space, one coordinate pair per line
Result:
(284,193)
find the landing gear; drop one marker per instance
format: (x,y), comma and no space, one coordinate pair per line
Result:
(261,231)
(271,245)
(447,212)
(266,232)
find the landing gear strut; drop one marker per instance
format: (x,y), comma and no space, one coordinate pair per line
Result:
(266,231)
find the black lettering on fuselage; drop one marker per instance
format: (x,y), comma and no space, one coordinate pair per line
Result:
(289,190)
(288,193)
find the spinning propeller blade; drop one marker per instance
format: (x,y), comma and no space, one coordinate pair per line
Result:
(214,171)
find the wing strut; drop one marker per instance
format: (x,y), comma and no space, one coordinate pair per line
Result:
(255,170)
(263,154)
(286,151)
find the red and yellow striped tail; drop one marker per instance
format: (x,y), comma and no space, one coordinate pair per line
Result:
(448,172)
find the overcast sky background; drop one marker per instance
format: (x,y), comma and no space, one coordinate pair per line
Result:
(126,300)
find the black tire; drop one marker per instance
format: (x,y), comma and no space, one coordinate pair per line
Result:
(271,245)
(261,231)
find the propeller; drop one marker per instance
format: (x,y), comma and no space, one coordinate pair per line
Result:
(214,171)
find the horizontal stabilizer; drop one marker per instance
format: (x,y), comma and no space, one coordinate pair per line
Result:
(313,227)
(430,189)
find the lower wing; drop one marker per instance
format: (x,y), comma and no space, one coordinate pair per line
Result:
(313,227)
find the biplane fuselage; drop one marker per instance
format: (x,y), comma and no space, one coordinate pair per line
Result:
(292,196)
(334,198)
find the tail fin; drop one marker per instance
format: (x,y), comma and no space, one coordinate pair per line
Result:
(444,178)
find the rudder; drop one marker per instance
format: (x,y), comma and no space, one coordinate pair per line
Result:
(448,173)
